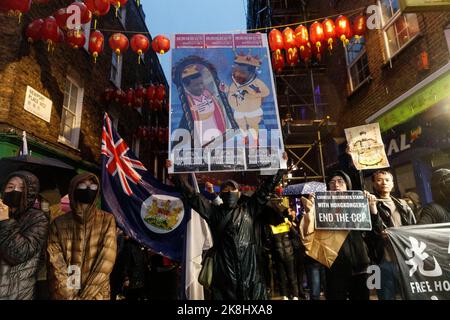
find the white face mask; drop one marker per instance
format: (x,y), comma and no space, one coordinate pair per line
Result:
(45,206)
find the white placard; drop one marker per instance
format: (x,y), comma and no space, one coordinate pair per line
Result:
(38,104)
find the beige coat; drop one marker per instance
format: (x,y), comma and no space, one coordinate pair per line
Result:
(85,241)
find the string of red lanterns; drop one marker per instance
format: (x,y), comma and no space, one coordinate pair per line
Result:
(312,41)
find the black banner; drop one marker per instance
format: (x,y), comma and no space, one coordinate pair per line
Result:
(345,210)
(423,257)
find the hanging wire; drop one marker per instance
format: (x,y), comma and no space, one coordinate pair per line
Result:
(350,12)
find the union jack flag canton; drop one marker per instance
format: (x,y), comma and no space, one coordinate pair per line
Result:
(120,160)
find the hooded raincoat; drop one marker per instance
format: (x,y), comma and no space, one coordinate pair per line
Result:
(237,273)
(22,240)
(81,250)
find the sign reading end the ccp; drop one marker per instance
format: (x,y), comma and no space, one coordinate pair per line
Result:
(424,5)
(346,210)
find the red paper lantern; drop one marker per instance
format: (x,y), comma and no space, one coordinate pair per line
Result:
(343,29)
(96,44)
(316,35)
(118,43)
(49,31)
(277,61)
(161,44)
(288,38)
(85,13)
(75,39)
(329,31)
(98,8)
(359,26)
(129,97)
(276,41)
(61,17)
(4,6)
(139,44)
(292,57)
(306,54)
(119,95)
(150,93)
(160,94)
(302,37)
(139,95)
(33,32)
(19,7)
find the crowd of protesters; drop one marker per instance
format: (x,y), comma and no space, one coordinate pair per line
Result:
(82,255)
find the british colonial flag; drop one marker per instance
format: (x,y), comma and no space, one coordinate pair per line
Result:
(119,163)
(128,192)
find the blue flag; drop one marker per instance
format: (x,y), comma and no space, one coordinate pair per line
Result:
(147,210)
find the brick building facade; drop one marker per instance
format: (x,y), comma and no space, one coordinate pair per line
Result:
(75,85)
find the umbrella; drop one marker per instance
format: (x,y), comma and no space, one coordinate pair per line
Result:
(304,188)
(52,173)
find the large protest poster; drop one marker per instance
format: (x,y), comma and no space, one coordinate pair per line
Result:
(223,107)
(343,210)
(366,147)
(423,257)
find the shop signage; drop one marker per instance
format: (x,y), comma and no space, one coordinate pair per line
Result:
(38,104)
(416,103)
(424,5)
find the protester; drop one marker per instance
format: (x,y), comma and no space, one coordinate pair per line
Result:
(82,245)
(135,269)
(23,236)
(299,251)
(413,201)
(237,274)
(439,210)
(347,276)
(283,256)
(389,212)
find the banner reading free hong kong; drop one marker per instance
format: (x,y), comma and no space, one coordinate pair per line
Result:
(224,114)
(423,257)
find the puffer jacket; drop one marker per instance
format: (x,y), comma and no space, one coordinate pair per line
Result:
(22,240)
(85,242)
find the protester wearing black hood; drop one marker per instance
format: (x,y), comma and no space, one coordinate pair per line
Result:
(23,236)
(347,277)
(237,275)
(439,210)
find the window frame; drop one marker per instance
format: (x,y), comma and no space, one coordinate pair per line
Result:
(386,25)
(76,128)
(350,65)
(117,80)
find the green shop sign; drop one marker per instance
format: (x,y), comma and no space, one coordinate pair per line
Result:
(424,5)
(420,101)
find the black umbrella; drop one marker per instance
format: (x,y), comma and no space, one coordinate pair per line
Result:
(52,173)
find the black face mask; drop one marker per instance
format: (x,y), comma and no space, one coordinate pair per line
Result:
(230,199)
(13,198)
(86,196)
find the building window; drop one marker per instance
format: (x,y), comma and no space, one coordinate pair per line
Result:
(71,113)
(116,70)
(398,29)
(357,63)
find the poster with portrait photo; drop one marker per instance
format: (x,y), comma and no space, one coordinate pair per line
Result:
(223,109)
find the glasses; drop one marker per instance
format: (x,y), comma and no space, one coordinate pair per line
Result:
(336,182)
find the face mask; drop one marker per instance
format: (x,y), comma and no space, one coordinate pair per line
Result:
(229,199)
(86,196)
(12,199)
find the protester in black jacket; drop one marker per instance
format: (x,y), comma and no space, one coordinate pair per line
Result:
(388,212)
(439,210)
(237,275)
(23,236)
